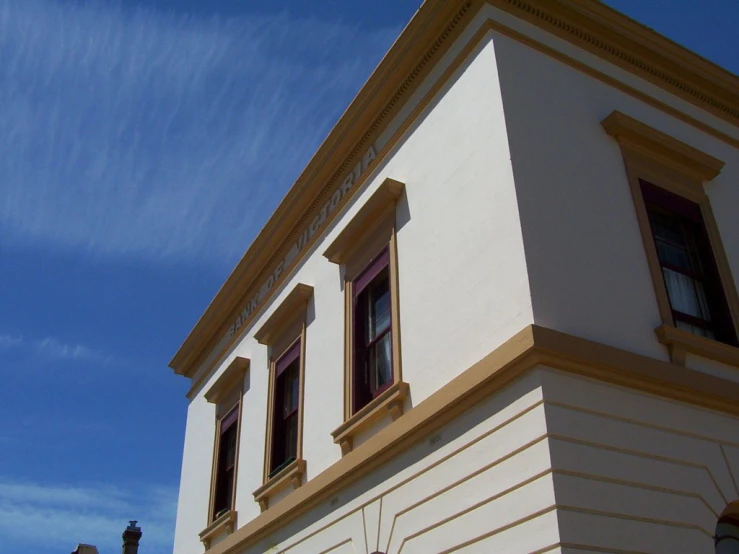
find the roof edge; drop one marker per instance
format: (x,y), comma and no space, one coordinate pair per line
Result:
(588,24)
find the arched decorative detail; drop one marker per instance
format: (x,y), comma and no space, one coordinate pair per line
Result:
(726,538)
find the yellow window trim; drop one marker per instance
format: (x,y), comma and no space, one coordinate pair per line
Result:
(283,328)
(226,393)
(668,163)
(289,476)
(371,229)
(224,524)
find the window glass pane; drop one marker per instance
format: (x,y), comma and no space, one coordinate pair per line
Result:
(373,269)
(230,419)
(291,437)
(291,388)
(226,470)
(381,372)
(688,266)
(379,312)
(700,331)
(287,359)
(686,294)
(673,255)
(229,448)
(667,229)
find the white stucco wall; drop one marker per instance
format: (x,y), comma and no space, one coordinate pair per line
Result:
(463,284)
(194,495)
(473,484)
(585,255)
(634,472)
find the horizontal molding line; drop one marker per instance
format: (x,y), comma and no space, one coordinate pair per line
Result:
(380,495)
(626,517)
(334,547)
(575,546)
(454,453)
(635,485)
(731,471)
(321,529)
(645,424)
(503,529)
(506,457)
(476,506)
(569,508)
(549,548)
(640,454)
(469,477)
(531,348)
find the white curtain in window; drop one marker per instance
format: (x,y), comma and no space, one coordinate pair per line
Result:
(686,295)
(386,344)
(700,331)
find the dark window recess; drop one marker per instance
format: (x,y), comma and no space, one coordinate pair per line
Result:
(727,536)
(285,420)
(373,370)
(688,266)
(226,464)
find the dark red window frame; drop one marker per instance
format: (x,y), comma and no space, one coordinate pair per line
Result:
(285,412)
(226,462)
(371,345)
(684,252)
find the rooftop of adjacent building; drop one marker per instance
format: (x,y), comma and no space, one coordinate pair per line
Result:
(131,537)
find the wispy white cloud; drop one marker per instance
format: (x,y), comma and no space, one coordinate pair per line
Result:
(59,350)
(49,515)
(133,132)
(55,349)
(9,341)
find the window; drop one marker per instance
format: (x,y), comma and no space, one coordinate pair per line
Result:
(226,464)
(367,252)
(690,274)
(373,372)
(727,535)
(693,285)
(284,333)
(226,393)
(285,416)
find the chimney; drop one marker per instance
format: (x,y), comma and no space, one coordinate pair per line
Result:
(85,549)
(131,537)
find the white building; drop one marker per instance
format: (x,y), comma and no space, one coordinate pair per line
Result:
(495,313)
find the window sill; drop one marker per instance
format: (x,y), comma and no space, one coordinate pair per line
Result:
(390,402)
(291,475)
(682,342)
(226,523)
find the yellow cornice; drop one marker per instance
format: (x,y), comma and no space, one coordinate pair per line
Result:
(614,37)
(422,42)
(587,24)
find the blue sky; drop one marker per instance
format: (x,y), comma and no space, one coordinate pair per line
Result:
(143,145)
